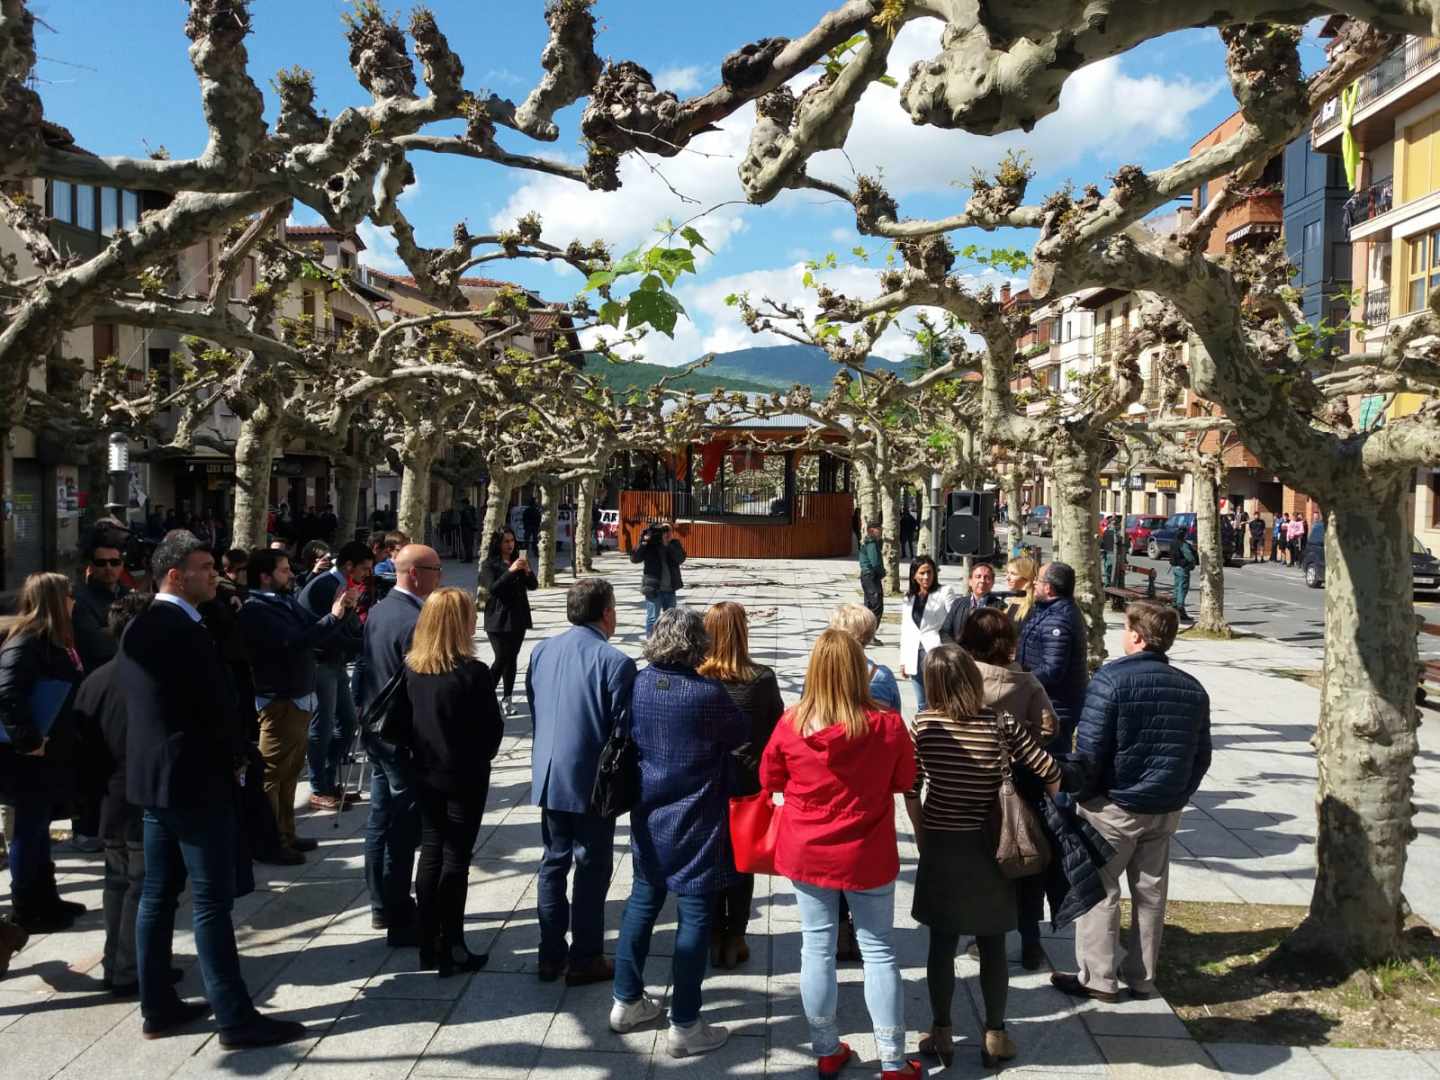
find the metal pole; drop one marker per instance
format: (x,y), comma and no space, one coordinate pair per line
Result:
(937,519)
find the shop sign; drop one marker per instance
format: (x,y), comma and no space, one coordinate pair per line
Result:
(1167,485)
(1137,482)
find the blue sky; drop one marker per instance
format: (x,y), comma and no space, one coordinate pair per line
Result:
(117,75)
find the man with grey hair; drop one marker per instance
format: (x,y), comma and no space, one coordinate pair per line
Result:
(1053,648)
(579,688)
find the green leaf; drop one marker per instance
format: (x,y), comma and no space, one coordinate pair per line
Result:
(692,237)
(888,80)
(611,312)
(654,308)
(651,283)
(598,279)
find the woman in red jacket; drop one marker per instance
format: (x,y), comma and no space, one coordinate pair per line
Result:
(840,759)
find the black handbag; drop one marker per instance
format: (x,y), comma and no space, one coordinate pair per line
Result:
(388,717)
(617,780)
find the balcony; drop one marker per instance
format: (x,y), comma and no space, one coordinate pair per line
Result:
(1369,203)
(1385,90)
(1377,307)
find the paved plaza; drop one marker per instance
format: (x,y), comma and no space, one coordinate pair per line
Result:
(308,950)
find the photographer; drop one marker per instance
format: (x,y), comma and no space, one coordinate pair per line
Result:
(662,555)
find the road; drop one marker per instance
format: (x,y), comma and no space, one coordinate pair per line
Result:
(1273,600)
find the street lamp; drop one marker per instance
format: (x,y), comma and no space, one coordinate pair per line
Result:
(937,517)
(118,498)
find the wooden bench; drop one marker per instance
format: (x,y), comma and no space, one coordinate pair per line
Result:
(1120,596)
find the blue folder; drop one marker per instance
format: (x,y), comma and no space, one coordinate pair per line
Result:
(46,700)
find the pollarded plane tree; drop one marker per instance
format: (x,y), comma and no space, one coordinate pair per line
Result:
(1001,67)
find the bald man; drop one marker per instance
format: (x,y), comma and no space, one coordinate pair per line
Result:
(393,830)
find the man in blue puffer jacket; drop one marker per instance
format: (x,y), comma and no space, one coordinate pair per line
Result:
(1146,729)
(1053,649)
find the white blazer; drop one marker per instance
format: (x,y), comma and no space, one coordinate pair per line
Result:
(937,606)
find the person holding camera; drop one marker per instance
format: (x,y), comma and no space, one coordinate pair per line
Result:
(507,579)
(662,555)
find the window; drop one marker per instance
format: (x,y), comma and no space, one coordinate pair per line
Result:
(1202,196)
(159,364)
(1422,268)
(129,209)
(1150,498)
(85,206)
(1421,173)
(109,211)
(104,340)
(307,303)
(1310,237)
(62,195)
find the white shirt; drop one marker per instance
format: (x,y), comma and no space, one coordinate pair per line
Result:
(927,634)
(180,602)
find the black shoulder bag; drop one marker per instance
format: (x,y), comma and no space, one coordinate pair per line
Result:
(617,780)
(388,717)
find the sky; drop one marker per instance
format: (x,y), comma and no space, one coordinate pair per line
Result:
(117,75)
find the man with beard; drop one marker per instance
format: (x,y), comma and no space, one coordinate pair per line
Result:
(281,637)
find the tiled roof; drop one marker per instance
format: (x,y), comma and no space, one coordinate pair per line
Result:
(472,282)
(318,231)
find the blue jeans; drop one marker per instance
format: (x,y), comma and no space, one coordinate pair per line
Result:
(391,834)
(917,679)
(30,853)
(692,948)
(331,728)
(873,911)
(589,842)
(654,605)
(201,844)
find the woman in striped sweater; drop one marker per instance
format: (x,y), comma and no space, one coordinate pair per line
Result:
(958,887)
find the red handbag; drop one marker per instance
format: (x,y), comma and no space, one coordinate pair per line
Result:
(754,829)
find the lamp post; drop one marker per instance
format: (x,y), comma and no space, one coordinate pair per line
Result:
(937,518)
(118,498)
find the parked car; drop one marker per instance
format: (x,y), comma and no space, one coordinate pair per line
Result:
(1161,542)
(1424,567)
(1138,528)
(1040,522)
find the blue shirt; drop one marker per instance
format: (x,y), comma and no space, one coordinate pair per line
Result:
(180,602)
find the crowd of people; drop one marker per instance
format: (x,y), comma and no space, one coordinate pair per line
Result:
(189,719)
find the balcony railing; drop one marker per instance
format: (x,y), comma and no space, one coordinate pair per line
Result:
(1377,306)
(1369,202)
(1403,63)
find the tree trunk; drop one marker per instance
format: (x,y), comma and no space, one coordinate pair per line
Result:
(347,497)
(584,532)
(1014,480)
(417,456)
(925,541)
(1075,513)
(1365,739)
(890,535)
(254,459)
(549,501)
(869,495)
(1206,481)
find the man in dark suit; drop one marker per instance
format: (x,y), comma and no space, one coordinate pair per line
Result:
(982,580)
(183,749)
(393,829)
(332,725)
(579,688)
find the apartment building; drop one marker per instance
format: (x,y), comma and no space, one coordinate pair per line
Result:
(1392,219)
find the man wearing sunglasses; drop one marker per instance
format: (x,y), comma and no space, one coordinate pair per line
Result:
(104,564)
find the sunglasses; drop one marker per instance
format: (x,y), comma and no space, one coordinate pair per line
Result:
(107,562)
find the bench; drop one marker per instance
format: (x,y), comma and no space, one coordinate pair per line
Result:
(1119,596)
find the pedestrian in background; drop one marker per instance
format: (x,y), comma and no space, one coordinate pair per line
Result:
(872,571)
(507,579)
(661,555)
(1257,537)
(959,889)
(927,604)
(1183,559)
(840,760)
(1295,539)
(1278,550)
(756,692)
(457,730)
(686,727)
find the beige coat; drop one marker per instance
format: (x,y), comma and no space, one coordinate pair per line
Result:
(1011,690)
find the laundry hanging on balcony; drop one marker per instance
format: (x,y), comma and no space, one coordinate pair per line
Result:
(1349,152)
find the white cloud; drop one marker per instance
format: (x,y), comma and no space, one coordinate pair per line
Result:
(1101,108)
(380,249)
(680,80)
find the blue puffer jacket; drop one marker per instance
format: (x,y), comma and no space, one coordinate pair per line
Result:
(1052,648)
(1146,725)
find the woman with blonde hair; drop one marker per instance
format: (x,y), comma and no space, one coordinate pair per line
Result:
(456,732)
(840,760)
(756,693)
(39,670)
(860,623)
(961,749)
(1020,574)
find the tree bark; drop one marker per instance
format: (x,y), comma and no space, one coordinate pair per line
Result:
(1014,481)
(255,448)
(417,458)
(549,501)
(925,538)
(1075,512)
(890,534)
(584,534)
(347,497)
(1206,478)
(497,516)
(1365,739)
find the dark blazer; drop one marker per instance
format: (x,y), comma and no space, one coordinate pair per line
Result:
(316,599)
(25,661)
(457,728)
(100,714)
(579,688)
(281,637)
(389,628)
(183,739)
(954,624)
(90,617)
(653,554)
(507,605)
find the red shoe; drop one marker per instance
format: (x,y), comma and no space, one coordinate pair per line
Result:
(913,1071)
(830,1065)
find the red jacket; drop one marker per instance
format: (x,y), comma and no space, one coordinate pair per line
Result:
(837,829)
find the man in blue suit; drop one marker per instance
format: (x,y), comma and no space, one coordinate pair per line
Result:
(578,687)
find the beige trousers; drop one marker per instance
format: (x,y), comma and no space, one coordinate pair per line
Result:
(284,735)
(1142,857)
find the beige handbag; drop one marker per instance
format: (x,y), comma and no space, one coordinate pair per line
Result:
(1021,848)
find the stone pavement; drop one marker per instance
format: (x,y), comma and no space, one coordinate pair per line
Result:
(308,950)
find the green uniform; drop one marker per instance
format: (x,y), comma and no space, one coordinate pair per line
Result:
(1182,561)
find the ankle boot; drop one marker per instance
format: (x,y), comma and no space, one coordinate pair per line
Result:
(736,951)
(941,1043)
(998,1047)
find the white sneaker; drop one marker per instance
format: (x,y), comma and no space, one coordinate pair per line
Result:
(698,1038)
(625,1017)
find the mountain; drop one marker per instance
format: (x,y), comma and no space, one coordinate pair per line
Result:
(623,378)
(779,367)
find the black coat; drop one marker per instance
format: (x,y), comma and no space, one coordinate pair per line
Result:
(281,637)
(90,617)
(25,661)
(960,611)
(100,714)
(507,604)
(183,738)
(653,553)
(1072,882)
(760,701)
(457,728)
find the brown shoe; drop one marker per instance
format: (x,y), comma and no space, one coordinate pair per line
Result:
(1070,984)
(324,802)
(736,951)
(600,969)
(12,940)
(998,1047)
(549,971)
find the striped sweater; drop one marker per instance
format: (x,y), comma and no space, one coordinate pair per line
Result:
(958,761)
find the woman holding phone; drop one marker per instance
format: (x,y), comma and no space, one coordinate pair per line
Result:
(507,580)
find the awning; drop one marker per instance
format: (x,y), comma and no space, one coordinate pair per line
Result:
(1253,228)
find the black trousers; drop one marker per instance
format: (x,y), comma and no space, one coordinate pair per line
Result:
(732,907)
(467,541)
(506,645)
(448,827)
(873,587)
(1030,897)
(994,977)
